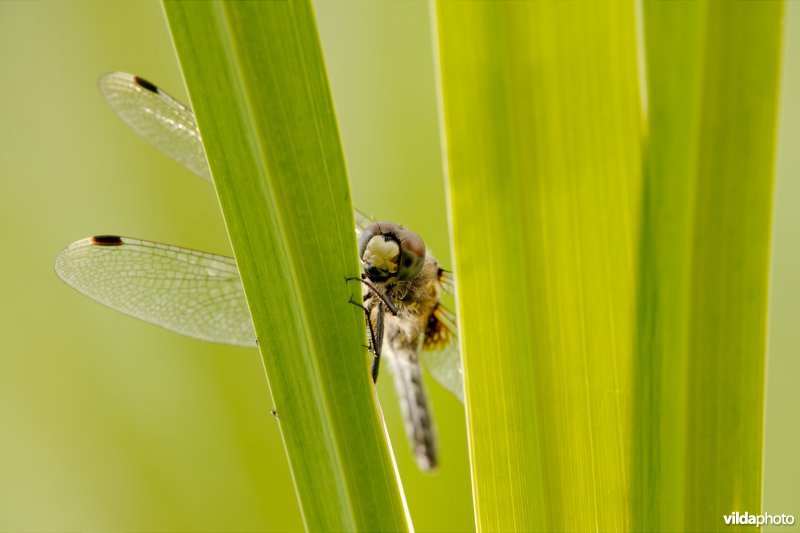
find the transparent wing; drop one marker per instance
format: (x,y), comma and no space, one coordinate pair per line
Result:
(440,353)
(447,281)
(168,124)
(186,291)
(158,117)
(362,222)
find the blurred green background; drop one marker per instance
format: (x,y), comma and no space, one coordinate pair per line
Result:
(109,423)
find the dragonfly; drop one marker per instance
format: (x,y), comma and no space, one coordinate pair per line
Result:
(200,294)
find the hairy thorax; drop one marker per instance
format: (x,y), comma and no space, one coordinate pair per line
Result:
(415,300)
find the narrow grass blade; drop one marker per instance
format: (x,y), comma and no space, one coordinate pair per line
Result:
(542,126)
(674,71)
(257,83)
(698,425)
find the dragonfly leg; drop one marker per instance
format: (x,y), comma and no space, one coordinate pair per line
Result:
(377,342)
(385,299)
(375,333)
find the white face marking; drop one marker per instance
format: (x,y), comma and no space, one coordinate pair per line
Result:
(381,253)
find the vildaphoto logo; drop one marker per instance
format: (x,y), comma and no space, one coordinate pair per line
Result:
(746,519)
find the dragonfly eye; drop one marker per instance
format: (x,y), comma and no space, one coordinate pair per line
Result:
(389,251)
(412,255)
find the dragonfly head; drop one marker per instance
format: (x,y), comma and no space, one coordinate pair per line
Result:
(390,252)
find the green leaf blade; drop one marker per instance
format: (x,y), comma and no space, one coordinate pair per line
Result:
(541,115)
(674,71)
(258,86)
(730,267)
(713,78)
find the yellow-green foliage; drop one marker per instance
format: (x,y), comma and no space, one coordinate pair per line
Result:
(612,267)
(712,70)
(257,83)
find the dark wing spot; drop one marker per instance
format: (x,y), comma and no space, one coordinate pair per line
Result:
(106,240)
(144,84)
(437,336)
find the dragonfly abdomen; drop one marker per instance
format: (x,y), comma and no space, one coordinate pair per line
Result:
(414,404)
